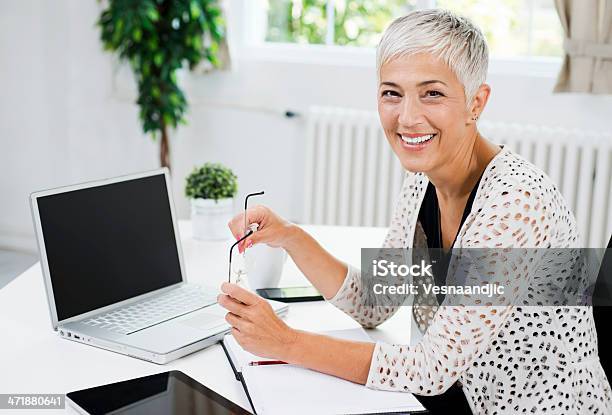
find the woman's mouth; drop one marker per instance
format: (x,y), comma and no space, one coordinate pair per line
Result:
(416,142)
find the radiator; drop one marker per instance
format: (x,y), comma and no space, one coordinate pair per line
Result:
(353,178)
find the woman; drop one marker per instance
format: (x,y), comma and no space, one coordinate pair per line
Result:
(460,190)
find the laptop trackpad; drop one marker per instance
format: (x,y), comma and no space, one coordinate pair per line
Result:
(204,321)
(181,331)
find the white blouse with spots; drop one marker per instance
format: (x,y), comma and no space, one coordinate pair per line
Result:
(507,359)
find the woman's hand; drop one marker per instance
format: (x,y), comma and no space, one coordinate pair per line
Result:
(255,326)
(324,271)
(273,230)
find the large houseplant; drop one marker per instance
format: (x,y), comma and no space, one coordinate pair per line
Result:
(211,188)
(157,38)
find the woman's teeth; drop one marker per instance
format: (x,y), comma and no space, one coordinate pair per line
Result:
(417,140)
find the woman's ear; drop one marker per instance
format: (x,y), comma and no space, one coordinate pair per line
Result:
(478,103)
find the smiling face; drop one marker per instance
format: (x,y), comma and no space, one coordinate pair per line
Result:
(423,111)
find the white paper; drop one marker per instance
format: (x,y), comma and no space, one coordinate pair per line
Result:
(290,389)
(283,389)
(239,356)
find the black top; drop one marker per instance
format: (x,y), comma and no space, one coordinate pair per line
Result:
(453,400)
(429,216)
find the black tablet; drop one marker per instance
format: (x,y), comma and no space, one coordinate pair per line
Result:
(172,393)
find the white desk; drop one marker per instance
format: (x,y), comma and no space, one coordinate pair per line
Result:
(34,359)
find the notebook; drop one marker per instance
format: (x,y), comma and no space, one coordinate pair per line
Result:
(283,389)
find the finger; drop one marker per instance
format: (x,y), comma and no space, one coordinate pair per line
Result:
(253,214)
(261,236)
(236,224)
(239,293)
(239,336)
(234,320)
(256,215)
(246,243)
(231,305)
(235,232)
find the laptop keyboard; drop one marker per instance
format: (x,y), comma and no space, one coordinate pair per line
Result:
(138,316)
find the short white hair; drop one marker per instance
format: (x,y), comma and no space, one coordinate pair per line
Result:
(454,39)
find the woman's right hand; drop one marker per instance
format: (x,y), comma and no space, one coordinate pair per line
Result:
(273,230)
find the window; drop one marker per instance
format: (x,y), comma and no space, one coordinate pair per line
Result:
(335,22)
(514,28)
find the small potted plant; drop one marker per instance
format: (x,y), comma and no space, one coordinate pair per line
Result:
(211,188)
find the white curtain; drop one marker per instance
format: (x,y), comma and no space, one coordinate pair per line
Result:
(587,65)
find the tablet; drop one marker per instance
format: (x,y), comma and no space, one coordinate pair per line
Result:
(172,393)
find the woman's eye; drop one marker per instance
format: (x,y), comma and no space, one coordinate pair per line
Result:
(433,94)
(389,93)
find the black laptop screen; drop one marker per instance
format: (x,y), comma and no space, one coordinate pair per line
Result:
(108,243)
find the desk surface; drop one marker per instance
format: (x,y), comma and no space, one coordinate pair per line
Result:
(34,359)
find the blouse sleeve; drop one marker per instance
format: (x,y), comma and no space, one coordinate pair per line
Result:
(351,298)
(460,334)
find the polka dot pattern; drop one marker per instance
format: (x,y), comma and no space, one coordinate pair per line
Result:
(507,358)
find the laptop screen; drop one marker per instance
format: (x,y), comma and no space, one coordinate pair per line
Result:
(108,243)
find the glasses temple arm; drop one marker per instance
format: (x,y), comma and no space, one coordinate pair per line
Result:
(246,199)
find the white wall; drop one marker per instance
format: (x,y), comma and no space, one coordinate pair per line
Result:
(58,120)
(64,116)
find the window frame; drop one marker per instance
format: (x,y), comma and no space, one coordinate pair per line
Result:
(247,47)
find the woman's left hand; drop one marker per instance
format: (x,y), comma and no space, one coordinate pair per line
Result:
(255,325)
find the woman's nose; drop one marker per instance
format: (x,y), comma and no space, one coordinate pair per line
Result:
(410,113)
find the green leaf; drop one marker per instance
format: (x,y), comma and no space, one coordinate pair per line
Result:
(152,14)
(152,43)
(158,59)
(194,9)
(117,33)
(137,35)
(146,69)
(197,42)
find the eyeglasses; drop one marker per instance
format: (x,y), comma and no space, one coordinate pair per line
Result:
(249,233)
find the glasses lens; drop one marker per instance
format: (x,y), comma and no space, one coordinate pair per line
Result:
(238,268)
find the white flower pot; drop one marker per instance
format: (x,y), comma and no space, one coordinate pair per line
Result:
(209,218)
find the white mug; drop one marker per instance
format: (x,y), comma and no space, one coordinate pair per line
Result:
(264,266)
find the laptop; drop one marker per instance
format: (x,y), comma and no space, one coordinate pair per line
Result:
(114,273)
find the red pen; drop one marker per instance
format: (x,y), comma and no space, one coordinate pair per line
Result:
(267,362)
